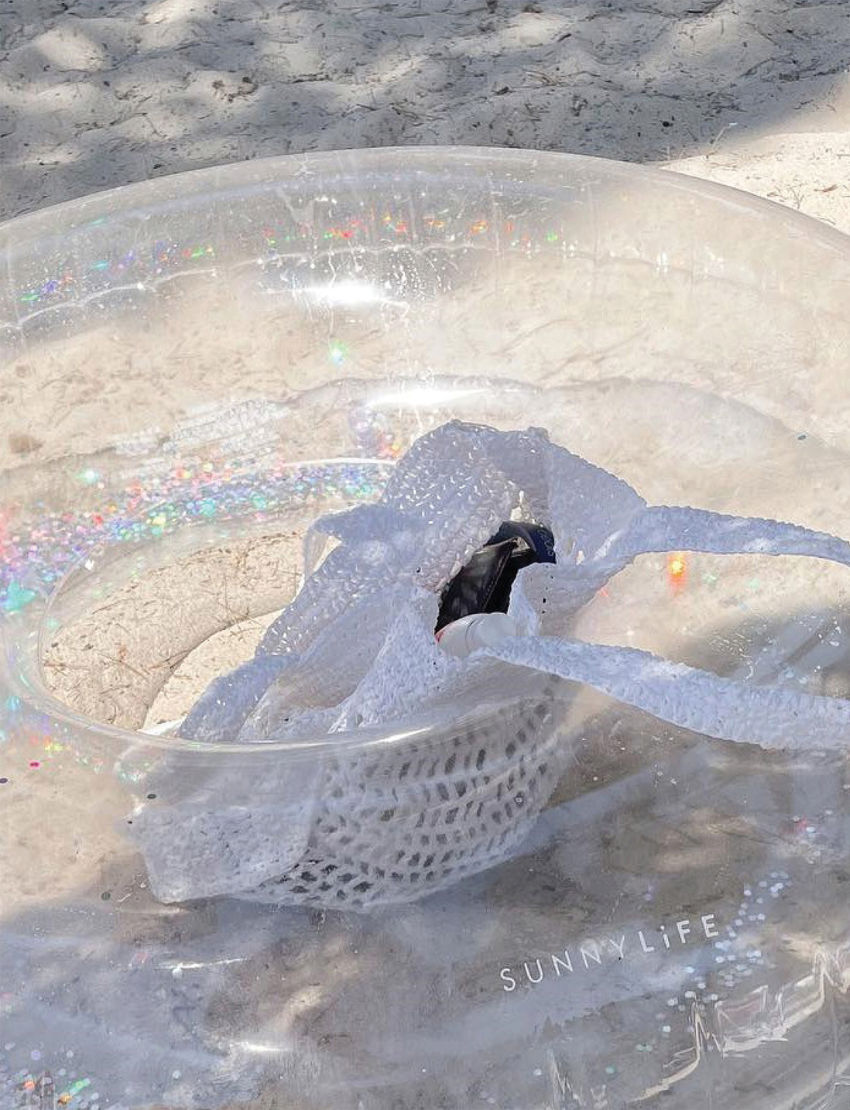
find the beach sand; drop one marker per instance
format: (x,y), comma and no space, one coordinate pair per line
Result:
(755,93)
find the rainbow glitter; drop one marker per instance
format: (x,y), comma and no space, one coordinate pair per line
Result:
(277,235)
(36,553)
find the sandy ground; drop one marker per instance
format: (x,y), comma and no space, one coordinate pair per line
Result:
(754,93)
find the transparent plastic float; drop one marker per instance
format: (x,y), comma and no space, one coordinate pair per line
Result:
(198,369)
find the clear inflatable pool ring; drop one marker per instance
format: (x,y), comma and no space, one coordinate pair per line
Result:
(425,673)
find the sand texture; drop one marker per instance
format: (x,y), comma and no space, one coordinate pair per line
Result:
(751,92)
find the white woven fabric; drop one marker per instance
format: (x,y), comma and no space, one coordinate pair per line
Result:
(442,764)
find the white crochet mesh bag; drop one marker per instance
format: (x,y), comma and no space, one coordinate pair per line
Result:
(401,769)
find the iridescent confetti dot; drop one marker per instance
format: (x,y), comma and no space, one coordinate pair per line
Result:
(17,597)
(338,353)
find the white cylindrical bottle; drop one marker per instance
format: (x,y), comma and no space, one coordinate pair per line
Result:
(478,630)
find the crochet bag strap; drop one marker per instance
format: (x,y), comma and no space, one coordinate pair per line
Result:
(725,708)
